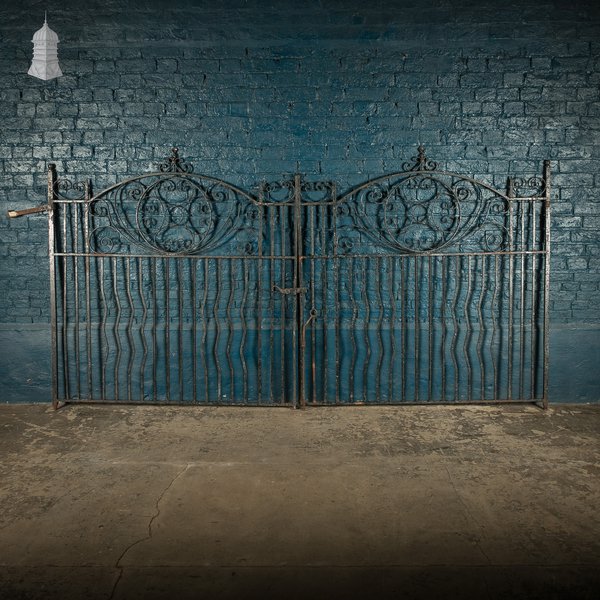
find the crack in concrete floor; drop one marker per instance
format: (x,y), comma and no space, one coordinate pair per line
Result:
(149,534)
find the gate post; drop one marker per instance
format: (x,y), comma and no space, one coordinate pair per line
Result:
(546,209)
(52,267)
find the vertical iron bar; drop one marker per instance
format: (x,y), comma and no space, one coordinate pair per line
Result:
(167,284)
(338,309)
(88,302)
(380,309)
(74,210)
(417,328)
(313,365)
(259,309)
(204,348)
(117,323)
(468,333)
(217,330)
(404,341)
(352,325)
(493,352)
(546,280)
(230,332)
(455,296)
(129,327)
(324,303)
(245,284)
(533,322)
(480,335)
(325,320)
(298,344)
(180,360)
(283,250)
(271,212)
(391,285)
(154,276)
(65,307)
(142,326)
(364,288)
(522,300)
(510,288)
(192,265)
(51,191)
(444,329)
(104,346)
(430,284)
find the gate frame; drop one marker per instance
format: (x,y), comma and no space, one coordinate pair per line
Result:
(59,188)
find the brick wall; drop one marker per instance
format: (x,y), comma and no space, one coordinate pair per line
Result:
(339,89)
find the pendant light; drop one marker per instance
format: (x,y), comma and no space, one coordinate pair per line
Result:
(45,54)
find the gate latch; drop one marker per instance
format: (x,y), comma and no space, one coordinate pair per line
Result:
(292,290)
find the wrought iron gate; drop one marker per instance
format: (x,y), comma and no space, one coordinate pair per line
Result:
(421,286)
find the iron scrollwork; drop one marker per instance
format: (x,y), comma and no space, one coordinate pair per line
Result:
(527,187)
(423,210)
(172,212)
(70,190)
(419,210)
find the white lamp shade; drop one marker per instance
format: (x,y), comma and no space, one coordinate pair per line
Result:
(45,54)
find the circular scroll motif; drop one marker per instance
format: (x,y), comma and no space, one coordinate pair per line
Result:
(419,213)
(107,239)
(173,215)
(425,212)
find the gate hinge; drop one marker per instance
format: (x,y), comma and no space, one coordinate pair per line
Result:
(292,290)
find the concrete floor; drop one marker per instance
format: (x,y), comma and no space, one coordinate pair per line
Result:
(104,502)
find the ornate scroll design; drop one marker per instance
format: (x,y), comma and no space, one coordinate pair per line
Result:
(175,164)
(70,190)
(527,187)
(282,191)
(318,191)
(173,212)
(277,192)
(279,199)
(423,210)
(420,162)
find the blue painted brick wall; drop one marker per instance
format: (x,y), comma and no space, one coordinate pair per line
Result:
(338,89)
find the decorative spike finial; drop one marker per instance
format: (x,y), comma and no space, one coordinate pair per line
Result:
(174,163)
(420,162)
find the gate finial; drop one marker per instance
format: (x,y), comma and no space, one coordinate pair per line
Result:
(174,164)
(420,162)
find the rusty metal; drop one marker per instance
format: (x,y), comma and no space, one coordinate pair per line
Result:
(422,286)
(27,211)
